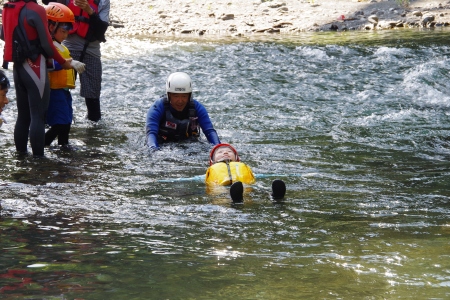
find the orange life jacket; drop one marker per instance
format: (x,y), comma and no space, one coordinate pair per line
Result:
(62,78)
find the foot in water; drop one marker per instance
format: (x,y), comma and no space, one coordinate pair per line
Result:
(68,147)
(278,189)
(236,192)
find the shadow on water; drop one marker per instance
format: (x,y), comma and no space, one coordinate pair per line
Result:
(356,124)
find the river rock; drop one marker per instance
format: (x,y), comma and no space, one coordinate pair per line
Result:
(262,29)
(225,17)
(274,4)
(373,19)
(428,18)
(281,24)
(131,17)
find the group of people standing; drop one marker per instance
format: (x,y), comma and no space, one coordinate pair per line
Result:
(61,37)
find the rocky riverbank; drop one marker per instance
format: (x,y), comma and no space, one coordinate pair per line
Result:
(245,17)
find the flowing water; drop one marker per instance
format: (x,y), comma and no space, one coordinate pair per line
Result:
(356,124)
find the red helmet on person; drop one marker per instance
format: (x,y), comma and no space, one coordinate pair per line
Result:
(211,153)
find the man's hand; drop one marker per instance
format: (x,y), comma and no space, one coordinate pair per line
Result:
(84,5)
(152,149)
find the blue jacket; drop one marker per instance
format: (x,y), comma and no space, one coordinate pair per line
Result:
(157,112)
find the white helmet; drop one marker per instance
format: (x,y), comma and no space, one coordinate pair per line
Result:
(178,83)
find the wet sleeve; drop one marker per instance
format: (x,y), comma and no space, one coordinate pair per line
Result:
(103,10)
(38,20)
(206,124)
(154,116)
(99,22)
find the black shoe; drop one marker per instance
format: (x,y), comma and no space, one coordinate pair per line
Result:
(93,109)
(68,147)
(278,189)
(236,192)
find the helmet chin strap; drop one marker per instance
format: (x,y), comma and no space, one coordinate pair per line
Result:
(54,29)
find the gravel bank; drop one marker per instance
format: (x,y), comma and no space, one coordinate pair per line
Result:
(245,17)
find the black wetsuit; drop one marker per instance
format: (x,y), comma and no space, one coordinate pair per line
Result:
(31,82)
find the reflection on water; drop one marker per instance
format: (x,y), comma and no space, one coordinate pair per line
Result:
(356,124)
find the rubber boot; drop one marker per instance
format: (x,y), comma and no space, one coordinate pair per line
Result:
(93,109)
(236,192)
(278,189)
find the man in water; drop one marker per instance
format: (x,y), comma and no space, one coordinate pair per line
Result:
(177,116)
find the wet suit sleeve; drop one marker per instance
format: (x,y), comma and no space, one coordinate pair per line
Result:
(205,123)
(53,65)
(99,22)
(38,19)
(103,10)
(154,115)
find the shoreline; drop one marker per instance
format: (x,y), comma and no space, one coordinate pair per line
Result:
(242,18)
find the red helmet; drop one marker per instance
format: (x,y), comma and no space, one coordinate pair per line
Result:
(211,154)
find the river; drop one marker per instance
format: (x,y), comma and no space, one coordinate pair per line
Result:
(357,124)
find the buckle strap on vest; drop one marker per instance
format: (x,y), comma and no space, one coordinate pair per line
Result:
(229,171)
(81,19)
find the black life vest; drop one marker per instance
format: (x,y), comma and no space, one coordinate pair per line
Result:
(173,129)
(17,46)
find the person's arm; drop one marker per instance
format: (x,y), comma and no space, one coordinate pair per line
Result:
(103,10)
(154,116)
(205,123)
(38,20)
(53,65)
(98,21)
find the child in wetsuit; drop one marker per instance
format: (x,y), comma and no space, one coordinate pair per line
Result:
(227,169)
